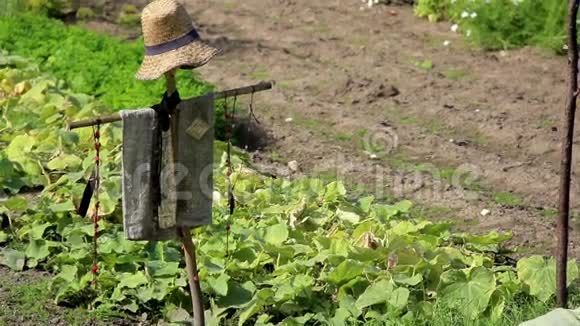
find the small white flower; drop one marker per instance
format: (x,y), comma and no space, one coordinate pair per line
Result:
(446,43)
(373,156)
(454,28)
(464,14)
(468,33)
(473,14)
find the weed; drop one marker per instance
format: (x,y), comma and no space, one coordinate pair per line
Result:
(424,64)
(507,199)
(454,74)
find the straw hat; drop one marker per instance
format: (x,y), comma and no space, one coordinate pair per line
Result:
(171,40)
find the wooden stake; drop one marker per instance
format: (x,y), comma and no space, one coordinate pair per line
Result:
(566,160)
(185,232)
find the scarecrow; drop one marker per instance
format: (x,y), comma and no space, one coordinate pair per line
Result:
(167,198)
(167,149)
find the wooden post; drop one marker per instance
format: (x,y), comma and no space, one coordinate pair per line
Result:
(566,160)
(185,232)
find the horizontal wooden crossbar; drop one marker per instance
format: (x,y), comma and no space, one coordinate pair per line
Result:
(262,86)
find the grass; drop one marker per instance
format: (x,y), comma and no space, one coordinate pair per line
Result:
(360,41)
(550,212)
(548,122)
(507,199)
(435,127)
(432,213)
(260,73)
(31,301)
(454,74)
(423,64)
(519,310)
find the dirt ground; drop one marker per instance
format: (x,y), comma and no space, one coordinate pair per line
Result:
(374,96)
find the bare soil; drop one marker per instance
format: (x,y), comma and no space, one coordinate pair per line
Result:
(374,96)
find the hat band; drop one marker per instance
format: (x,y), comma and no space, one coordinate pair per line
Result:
(173,44)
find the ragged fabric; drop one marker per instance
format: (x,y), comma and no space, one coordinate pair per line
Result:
(194,161)
(159,195)
(141,189)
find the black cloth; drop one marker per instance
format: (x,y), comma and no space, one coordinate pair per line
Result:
(166,108)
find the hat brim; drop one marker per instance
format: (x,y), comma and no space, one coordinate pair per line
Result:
(193,55)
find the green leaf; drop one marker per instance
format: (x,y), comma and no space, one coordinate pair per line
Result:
(159,268)
(276,234)
(132,281)
(540,275)
(19,147)
(14,259)
(408,280)
(66,206)
(37,249)
(399,298)
(347,216)
(16,203)
(4,237)
(238,295)
(6,168)
(340,317)
(64,161)
(178,315)
(220,284)
(346,271)
(37,231)
(366,203)
(469,292)
(248,312)
(334,191)
(67,273)
(379,292)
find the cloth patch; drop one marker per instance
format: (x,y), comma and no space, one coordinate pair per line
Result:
(141,191)
(197,129)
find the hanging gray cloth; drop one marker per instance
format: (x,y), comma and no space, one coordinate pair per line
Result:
(182,194)
(194,161)
(141,191)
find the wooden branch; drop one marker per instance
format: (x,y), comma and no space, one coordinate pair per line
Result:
(262,86)
(566,157)
(193,277)
(184,232)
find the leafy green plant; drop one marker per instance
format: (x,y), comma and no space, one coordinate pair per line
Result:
(500,24)
(84,13)
(94,63)
(299,251)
